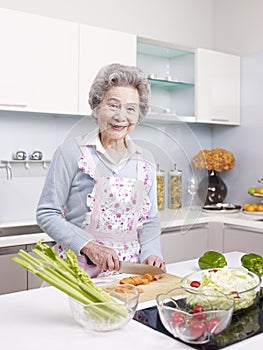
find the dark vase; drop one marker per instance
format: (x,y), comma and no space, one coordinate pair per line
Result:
(212,189)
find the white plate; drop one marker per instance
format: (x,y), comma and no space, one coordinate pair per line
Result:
(222,208)
(253,213)
(259,195)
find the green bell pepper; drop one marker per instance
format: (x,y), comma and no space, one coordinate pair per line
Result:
(253,262)
(212,260)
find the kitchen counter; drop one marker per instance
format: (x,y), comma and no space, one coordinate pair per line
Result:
(41,318)
(21,233)
(192,216)
(169,218)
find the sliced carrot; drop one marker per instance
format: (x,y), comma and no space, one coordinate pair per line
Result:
(148,277)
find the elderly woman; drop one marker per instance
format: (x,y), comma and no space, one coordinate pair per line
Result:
(99,197)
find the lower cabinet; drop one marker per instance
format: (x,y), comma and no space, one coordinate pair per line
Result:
(247,240)
(14,278)
(180,243)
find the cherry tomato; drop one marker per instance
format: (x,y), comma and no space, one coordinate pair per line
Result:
(178,319)
(196,328)
(213,325)
(195,284)
(198,308)
(196,311)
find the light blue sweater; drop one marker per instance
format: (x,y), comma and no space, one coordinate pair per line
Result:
(66,186)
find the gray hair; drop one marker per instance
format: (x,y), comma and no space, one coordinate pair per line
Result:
(119,75)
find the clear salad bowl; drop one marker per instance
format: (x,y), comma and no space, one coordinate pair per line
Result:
(238,283)
(193,317)
(107,316)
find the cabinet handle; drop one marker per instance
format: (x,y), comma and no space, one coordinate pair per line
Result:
(219,120)
(23,105)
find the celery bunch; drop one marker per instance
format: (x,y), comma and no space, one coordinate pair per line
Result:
(67,276)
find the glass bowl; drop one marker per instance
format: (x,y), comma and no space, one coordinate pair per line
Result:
(238,283)
(107,316)
(194,317)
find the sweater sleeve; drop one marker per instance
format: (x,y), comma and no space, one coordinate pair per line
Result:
(50,213)
(149,235)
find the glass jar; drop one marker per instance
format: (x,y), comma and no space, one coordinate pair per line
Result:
(160,179)
(175,189)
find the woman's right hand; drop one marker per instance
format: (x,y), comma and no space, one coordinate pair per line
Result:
(104,257)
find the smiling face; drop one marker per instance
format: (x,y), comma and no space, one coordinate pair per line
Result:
(118,114)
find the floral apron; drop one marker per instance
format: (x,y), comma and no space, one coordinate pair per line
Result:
(118,208)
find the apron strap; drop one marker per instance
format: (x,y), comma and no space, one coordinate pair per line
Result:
(97,204)
(140,165)
(87,154)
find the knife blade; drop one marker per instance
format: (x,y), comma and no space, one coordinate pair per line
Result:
(140,269)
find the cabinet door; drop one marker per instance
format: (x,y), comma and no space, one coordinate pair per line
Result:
(38,63)
(185,244)
(13,278)
(217,82)
(243,240)
(99,47)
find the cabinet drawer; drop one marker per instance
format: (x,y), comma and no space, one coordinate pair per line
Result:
(242,239)
(13,277)
(178,245)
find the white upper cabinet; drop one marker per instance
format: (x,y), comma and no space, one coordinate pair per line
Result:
(217,87)
(38,63)
(48,65)
(201,86)
(98,47)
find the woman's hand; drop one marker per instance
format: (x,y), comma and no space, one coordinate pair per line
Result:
(155,260)
(104,257)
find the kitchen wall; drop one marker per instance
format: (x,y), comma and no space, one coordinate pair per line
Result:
(237,26)
(184,22)
(245,141)
(28,132)
(233,26)
(176,144)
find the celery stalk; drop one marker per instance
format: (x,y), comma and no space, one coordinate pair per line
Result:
(58,283)
(67,276)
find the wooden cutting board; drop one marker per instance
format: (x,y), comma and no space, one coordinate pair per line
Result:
(162,285)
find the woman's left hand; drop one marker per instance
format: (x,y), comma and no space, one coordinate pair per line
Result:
(155,260)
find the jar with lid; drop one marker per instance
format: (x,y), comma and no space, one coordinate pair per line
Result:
(160,179)
(175,188)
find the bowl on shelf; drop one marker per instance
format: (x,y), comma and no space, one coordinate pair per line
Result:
(193,317)
(238,283)
(107,316)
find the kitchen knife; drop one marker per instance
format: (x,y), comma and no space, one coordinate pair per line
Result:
(140,269)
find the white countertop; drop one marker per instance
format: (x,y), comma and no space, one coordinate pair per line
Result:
(41,319)
(169,218)
(191,216)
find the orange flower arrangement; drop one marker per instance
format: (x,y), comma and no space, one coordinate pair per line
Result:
(217,159)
